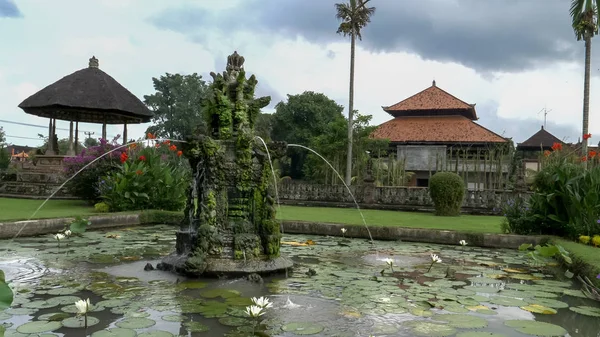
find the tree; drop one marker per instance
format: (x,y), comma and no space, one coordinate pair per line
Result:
(355,15)
(264,125)
(4,155)
(299,120)
(584,14)
(89,142)
(177,105)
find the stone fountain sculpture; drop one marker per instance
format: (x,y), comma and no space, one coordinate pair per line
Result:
(229,225)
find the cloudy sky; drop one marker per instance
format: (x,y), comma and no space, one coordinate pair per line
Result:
(513,58)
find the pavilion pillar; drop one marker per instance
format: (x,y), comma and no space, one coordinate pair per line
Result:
(76,137)
(104,130)
(125,133)
(71,151)
(50,147)
(54,144)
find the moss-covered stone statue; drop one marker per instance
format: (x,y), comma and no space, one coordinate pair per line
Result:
(230,225)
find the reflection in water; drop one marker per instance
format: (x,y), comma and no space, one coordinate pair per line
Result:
(346,295)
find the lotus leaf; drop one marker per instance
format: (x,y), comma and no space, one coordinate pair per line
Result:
(54,316)
(234,321)
(137,314)
(63,300)
(535,328)
(174,318)
(39,326)
(303,328)
(115,332)
(79,322)
(196,327)
(574,293)
(586,310)
(421,312)
(479,334)
(508,301)
(549,302)
(40,304)
(429,329)
(112,303)
(539,309)
(135,323)
(462,321)
(62,291)
(155,333)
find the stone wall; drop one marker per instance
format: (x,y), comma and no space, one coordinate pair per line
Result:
(32,190)
(412,198)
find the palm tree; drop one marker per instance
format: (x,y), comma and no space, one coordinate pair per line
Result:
(585,24)
(355,15)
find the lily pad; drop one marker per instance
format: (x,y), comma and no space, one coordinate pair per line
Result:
(539,309)
(462,321)
(156,333)
(191,285)
(40,304)
(38,326)
(429,329)
(574,293)
(480,334)
(112,303)
(174,318)
(54,316)
(535,328)
(219,292)
(62,291)
(136,323)
(303,328)
(79,322)
(115,332)
(549,302)
(63,300)
(233,321)
(585,310)
(421,312)
(508,301)
(196,327)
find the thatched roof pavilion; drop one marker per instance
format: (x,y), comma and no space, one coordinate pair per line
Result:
(88,95)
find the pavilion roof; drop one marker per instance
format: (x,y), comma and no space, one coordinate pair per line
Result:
(540,140)
(432,101)
(436,130)
(88,95)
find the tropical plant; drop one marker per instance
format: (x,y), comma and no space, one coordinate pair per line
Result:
(355,15)
(6,294)
(540,254)
(584,15)
(519,217)
(152,177)
(447,190)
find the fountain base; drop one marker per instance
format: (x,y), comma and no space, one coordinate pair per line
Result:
(227,267)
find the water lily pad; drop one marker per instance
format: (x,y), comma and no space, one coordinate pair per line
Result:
(40,304)
(191,285)
(63,300)
(196,327)
(480,334)
(429,329)
(239,301)
(38,326)
(539,309)
(303,328)
(549,302)
(115,332)
(233,321)
(79,322)
(219,292)
(574,293)
(112,303)
(586,310)
(62,291)
(535,328)
(155,333)
(54,316)
(136,323)
(421,312)
(508,301)
(462,321)
(20,311)
(4,316)
(137,314)
(174,318)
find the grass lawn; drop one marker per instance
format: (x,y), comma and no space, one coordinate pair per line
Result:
(350,216)
(22,209)
(587,254)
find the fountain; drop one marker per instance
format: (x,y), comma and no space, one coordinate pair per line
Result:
(229,225)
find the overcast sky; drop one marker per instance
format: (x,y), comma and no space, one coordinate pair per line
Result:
(512,58)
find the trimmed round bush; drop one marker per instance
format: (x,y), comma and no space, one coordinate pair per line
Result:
(447,190)
(101,207)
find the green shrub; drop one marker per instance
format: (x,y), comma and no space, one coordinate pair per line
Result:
(519,218)
(101,207)
(161,217)
(447,191)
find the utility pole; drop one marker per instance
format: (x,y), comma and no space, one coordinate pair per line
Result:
(88,134)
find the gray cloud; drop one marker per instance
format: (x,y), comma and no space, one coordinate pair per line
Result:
(491,35)
(521,129)
(9,9)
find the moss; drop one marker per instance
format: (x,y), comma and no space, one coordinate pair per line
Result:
(248,243)
(196,263)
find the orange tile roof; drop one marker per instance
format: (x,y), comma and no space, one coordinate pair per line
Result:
(432,101)
(435,129)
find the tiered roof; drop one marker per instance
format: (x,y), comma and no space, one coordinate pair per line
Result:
(540,140)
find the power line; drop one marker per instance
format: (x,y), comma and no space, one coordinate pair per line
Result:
(34,125)
(24,137)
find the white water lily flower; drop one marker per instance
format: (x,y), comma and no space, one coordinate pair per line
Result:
(462,242)
(343,230)
(68,232)
(83,306)
(254,311)
(436,258)
(59,236)
(389,261)
(262,302)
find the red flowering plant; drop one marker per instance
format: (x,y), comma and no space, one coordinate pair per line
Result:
(151,176)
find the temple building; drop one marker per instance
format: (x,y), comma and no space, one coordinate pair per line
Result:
(434,131)
(531,149)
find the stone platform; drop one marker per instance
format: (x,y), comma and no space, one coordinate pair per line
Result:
(228,267)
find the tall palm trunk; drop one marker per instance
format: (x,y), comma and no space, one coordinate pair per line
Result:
(350,112)
(586,94)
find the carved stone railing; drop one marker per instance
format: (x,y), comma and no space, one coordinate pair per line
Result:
(487,201)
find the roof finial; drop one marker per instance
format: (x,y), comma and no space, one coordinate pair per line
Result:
(94,62)
(542,127)
(433,83)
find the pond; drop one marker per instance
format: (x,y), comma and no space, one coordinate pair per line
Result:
(339,287)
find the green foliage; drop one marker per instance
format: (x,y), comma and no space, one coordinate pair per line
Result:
(4,155)
(79,225)
(6,294)
(519,218)
(150,178)
(101,207)
(541,254)
(161,217)
(177,105)
(447,190)
(355,15)
(566,199)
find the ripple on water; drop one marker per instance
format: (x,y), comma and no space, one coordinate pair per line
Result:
(22,269)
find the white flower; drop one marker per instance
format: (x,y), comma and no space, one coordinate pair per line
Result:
(389,261)
(262,302)
(68,232)
(59,236)
(435,258)
(254,311)
(83,306)
(462,242)
(343,230)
